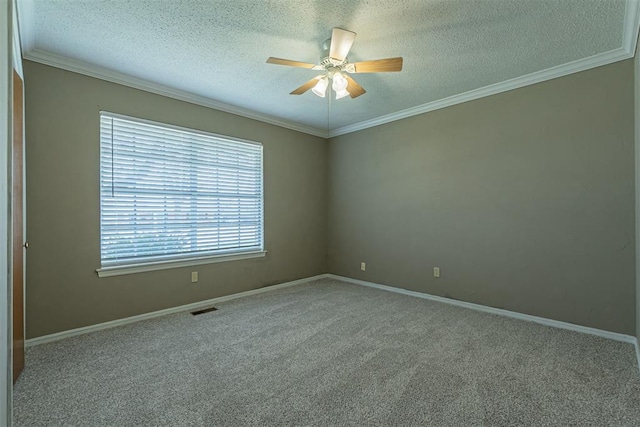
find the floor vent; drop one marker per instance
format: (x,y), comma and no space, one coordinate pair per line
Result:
(203,311)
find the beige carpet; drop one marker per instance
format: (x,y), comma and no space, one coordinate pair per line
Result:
(330,353)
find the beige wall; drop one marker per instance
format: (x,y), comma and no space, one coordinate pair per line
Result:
(525,200)
(63,290)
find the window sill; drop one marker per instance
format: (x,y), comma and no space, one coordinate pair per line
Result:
(164,265)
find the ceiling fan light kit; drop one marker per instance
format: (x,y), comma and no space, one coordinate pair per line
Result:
(339,85)
(342,94)
(337,67)
(321,87)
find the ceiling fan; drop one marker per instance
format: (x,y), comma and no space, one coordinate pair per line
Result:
(336,67)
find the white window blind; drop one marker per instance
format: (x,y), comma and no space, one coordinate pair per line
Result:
(168,193)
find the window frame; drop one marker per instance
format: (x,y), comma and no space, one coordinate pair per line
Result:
(186,260)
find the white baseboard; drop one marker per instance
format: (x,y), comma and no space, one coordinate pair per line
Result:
(202,304)
(541,320)
(188,307)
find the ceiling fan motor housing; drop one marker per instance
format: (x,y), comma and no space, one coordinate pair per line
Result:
(335,65)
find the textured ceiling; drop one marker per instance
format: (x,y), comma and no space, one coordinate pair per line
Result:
(217,48)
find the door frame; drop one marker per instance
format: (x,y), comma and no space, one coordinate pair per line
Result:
(17,226)
(7,54)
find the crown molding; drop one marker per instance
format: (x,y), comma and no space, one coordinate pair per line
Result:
(515,83)
(629,39)
(90,70)
(26,23)
(631,25)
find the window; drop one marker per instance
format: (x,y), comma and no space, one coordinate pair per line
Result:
(173,196)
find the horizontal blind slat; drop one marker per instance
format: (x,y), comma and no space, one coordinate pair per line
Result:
(170,193)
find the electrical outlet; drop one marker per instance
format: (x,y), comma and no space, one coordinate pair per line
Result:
(363,266)
(436,271)
(194,276)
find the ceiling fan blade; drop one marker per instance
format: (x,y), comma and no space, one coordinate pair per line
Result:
(290,63)
(305,87)
(378,65)
(354,89)
(341,41)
